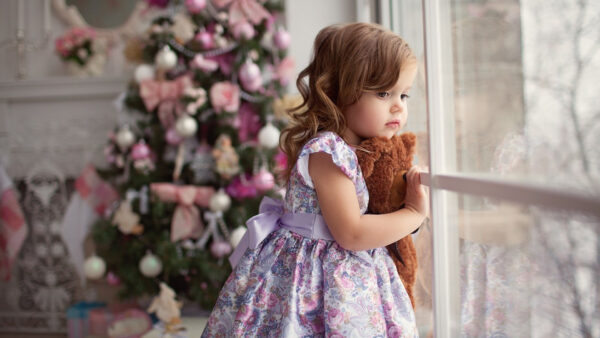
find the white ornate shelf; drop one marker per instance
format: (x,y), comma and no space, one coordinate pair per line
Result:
(62,87)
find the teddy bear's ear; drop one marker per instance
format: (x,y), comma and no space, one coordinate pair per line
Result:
(366,160)
(410,143)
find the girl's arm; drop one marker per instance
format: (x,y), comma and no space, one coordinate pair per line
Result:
(339,206)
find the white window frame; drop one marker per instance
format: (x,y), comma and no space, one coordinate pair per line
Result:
(443,177)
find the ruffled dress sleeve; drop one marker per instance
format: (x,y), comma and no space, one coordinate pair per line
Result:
(342,155)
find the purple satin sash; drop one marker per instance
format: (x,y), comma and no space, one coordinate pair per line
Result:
(271,217)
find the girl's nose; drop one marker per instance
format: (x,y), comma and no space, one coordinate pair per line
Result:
(398,105)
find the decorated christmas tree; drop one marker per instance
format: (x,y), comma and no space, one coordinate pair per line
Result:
(207,103)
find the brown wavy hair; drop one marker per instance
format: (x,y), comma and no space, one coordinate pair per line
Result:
(348,59)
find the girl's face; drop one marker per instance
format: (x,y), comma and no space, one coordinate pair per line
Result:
(379,113)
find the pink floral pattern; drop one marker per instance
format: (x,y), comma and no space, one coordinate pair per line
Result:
(294,286)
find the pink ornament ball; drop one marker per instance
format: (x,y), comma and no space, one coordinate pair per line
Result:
(282,39)
(140,151)
(195,6)
(244,30)
(113,279)
(172,137)
(220,249)
(206,40)
(250,76)
(263,180)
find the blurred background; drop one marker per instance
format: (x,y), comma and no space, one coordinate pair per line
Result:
(108,108)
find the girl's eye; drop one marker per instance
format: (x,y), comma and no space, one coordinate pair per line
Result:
(383,95)
(404,97)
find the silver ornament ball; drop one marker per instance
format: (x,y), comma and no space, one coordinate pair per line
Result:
(165,59)
(124,138)
(186,126)
(268,136)
(143,72)
(220,201)
(94,267)
(236,236)
(150,266)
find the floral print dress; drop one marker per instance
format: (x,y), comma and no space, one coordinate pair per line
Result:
(292,285)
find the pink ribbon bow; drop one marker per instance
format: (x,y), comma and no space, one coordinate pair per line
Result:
(243,10)
(186,221)
(165,94)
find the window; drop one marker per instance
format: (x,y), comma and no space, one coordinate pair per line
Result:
(508,115)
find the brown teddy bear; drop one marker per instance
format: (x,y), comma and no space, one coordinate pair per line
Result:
(384,163)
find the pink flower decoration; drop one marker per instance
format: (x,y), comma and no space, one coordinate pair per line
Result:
(285,70)
(280,160)
(225,62)
(239,189)
(225,96)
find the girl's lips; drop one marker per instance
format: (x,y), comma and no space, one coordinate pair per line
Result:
(393,124)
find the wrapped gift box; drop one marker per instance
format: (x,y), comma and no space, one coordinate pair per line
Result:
(101,318)
(78,318)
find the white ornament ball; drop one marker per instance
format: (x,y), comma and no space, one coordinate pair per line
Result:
(125,137)
(144,72)
(165,59)
(94,267)
(220,201)
(186,126)
(150,265)
(236,236)
(268,136)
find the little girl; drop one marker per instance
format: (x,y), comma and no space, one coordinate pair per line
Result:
(316,264)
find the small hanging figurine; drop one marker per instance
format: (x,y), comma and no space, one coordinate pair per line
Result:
(167,310)
(226,159)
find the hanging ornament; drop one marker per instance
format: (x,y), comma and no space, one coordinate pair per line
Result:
(124,138)
(127,220)
(94,267)
(236,236)
(186,126)
(220,201)
(140,151)
(241,187)
(150,265)
(250,76)
(206,40)
(226,159)
(243,30)
(268,136)
(112,279)
(195,6)
(263,180)
(165,59)
(203,164)
(220,248)
(282,39)
(144,72)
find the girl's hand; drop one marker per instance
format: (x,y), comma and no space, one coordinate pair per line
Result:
(417,198)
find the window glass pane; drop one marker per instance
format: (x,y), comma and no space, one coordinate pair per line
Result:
(525,90)
(527,272)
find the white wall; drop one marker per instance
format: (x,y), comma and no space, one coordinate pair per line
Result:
(305,18)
